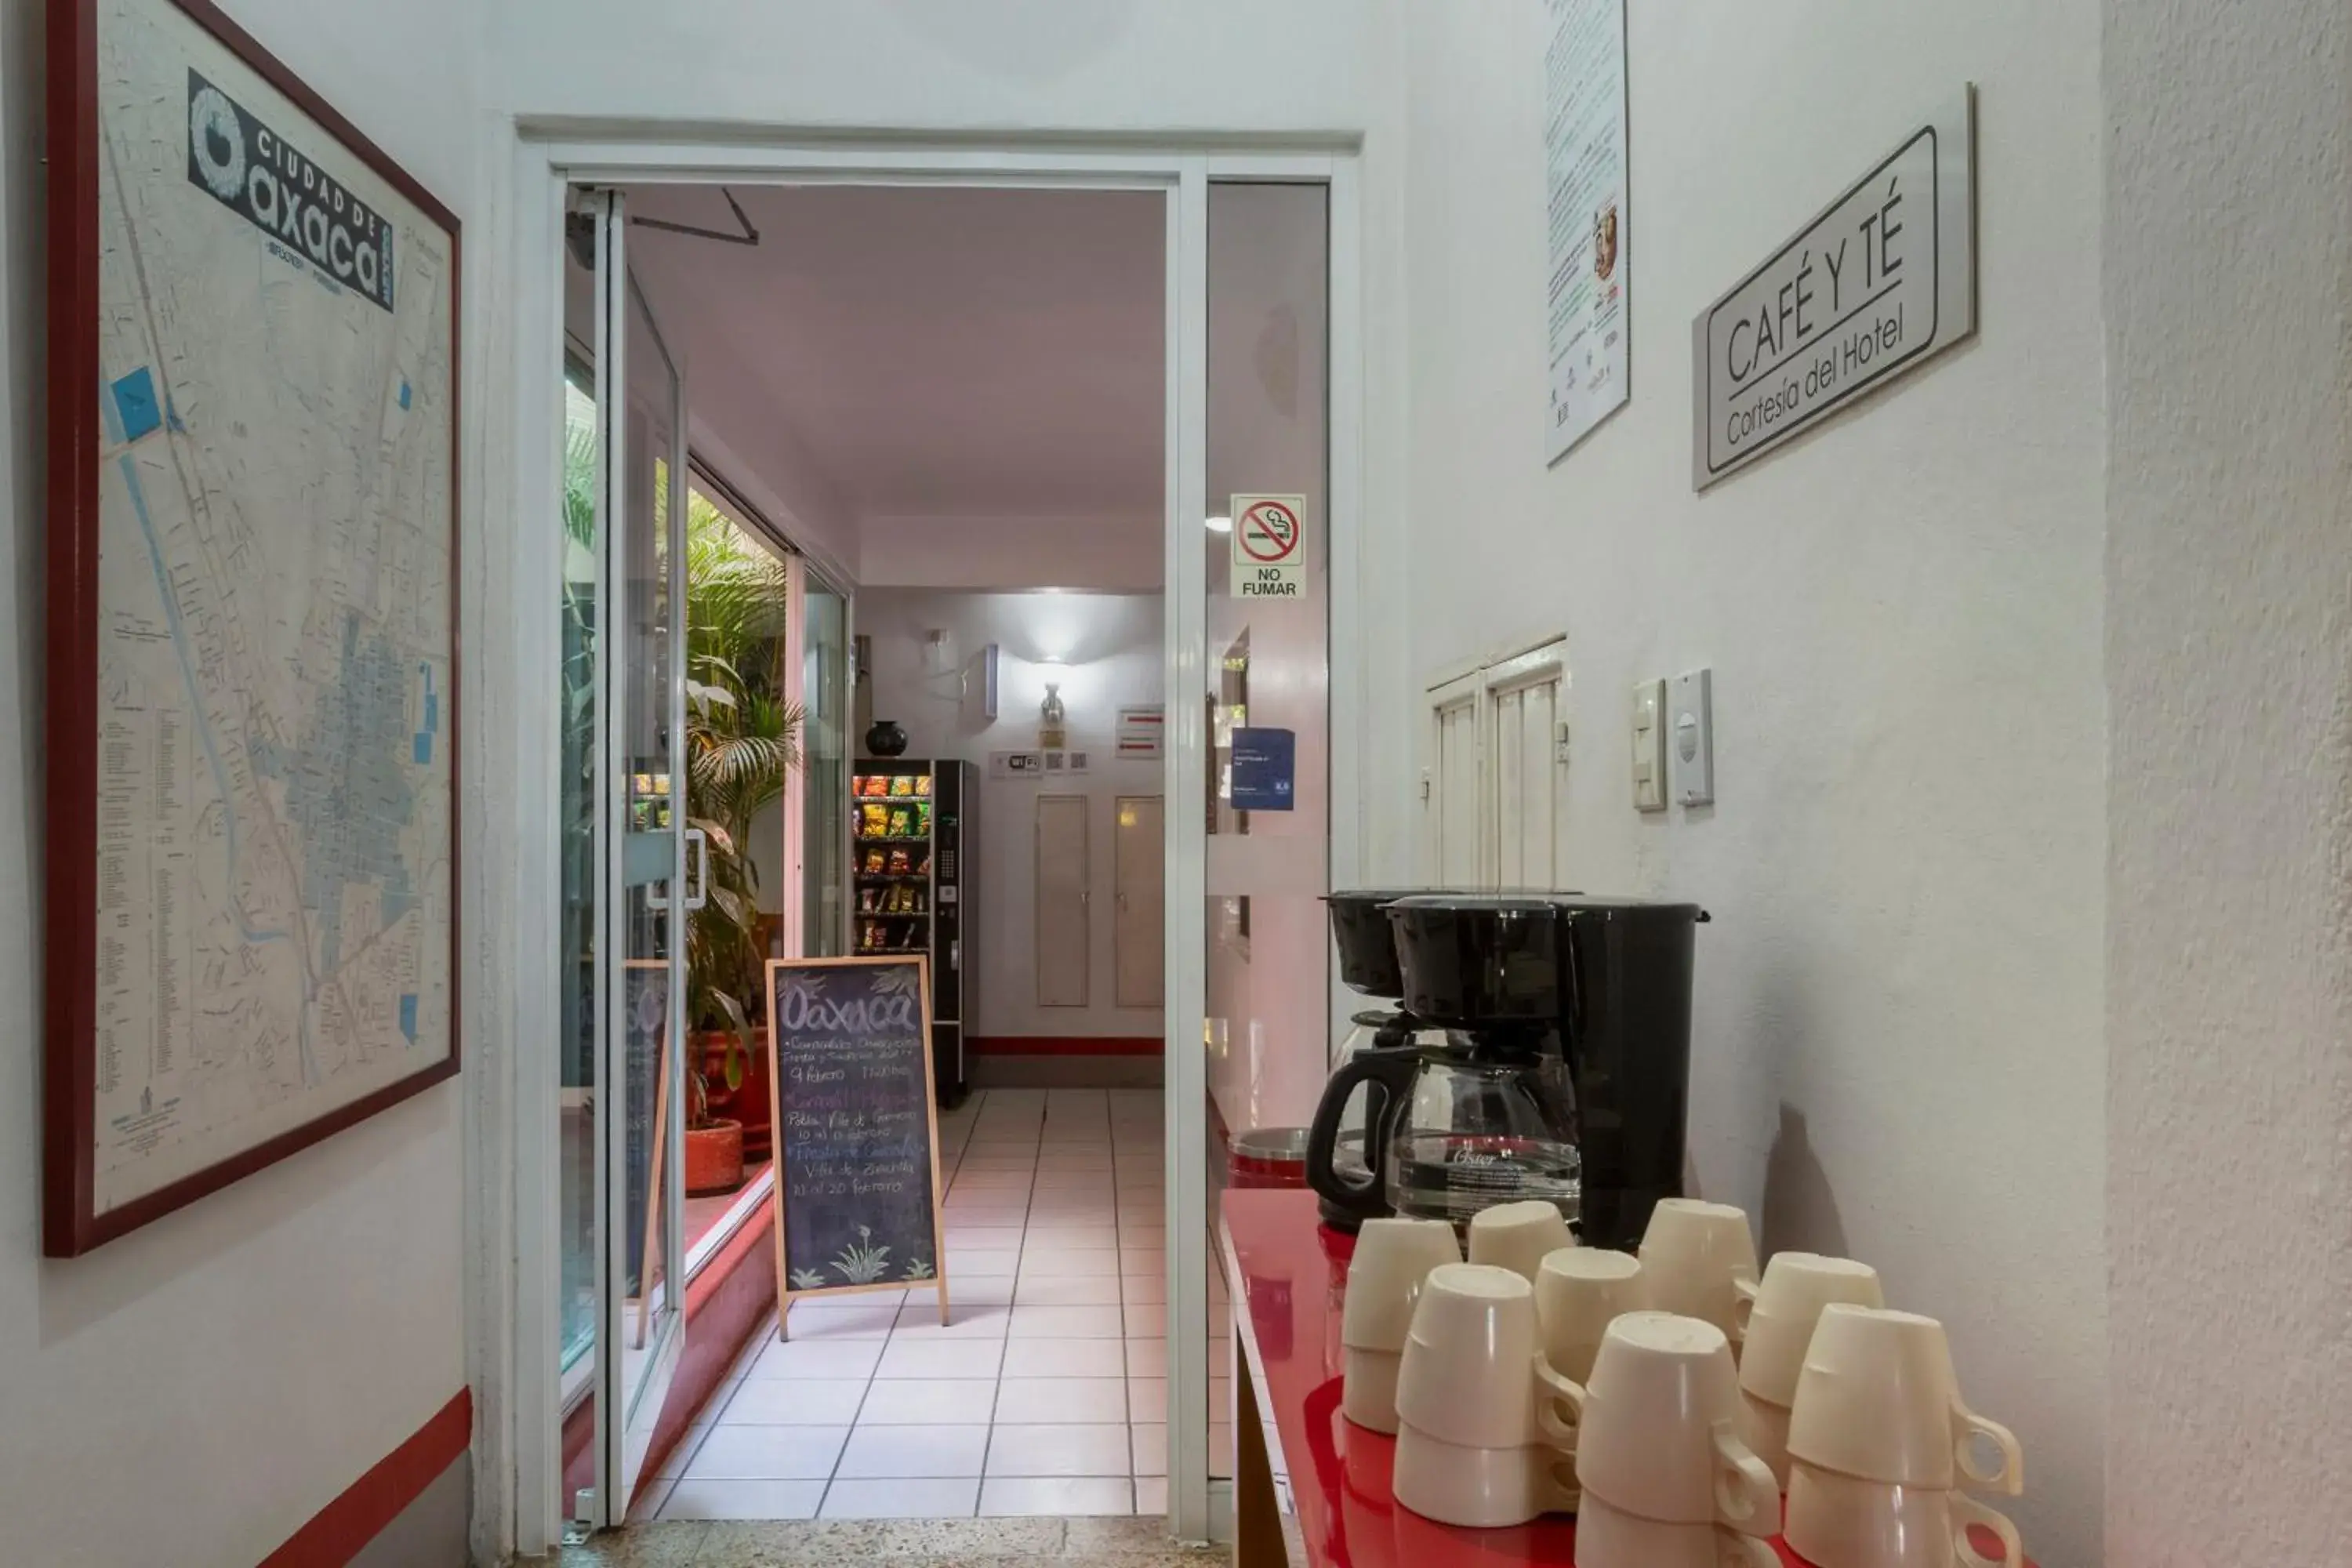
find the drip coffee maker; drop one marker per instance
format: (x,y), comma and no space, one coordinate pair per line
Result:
(1628,1039)
(1550,1058)
(1487,1110)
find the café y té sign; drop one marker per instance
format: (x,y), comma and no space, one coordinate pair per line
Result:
(1884,279)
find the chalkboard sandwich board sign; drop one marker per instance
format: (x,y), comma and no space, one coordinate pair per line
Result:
(858,1137)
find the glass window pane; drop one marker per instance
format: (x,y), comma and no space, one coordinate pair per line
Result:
(577,1182)
(1267,796)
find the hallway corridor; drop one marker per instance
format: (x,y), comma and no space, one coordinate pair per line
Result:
(1046,1392)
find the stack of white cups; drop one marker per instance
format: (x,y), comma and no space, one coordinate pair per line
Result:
(1695,1257)
(1485,1429)
(1384,1280)
(1878,1443)
(1668,1401)
(1666,1481)
(1777,1318)
(1518,1237)
(1579,1291)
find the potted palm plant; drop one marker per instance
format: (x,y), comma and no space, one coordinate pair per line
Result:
(742,742)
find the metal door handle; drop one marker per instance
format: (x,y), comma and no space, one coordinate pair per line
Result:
(698,854)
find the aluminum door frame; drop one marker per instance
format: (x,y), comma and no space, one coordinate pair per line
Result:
(521,1436)
(621,1444)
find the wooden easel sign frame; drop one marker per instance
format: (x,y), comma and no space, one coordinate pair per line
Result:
(797,995)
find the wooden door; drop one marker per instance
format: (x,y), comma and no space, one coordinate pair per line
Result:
(1063,901)
(1139,918)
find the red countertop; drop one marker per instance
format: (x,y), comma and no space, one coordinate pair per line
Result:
(1291,1279)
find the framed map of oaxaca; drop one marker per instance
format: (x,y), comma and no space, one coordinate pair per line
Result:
(252,855)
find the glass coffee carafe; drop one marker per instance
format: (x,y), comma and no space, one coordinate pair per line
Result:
(1478,1123)
(1483,1109)
(1351,1145)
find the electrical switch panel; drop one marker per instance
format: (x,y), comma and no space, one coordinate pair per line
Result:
(1691,707)
(1649,745)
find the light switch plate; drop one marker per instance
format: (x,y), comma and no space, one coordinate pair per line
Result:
(1691,740)
(1649,745)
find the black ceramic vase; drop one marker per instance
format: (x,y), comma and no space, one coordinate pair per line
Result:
(886,738)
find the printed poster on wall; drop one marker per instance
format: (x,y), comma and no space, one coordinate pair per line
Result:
(252,671)
(1584,170)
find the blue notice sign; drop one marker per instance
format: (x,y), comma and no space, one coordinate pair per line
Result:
(1265,763)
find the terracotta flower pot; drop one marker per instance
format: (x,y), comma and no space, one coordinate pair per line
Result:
(748,1104)
(714,1158)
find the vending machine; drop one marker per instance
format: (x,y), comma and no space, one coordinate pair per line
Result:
(910,821)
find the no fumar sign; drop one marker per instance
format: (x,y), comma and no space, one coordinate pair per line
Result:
(1269,547)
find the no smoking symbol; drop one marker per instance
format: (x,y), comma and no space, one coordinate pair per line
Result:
(1269,532)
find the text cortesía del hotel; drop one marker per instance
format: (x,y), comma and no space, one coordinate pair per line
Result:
(1853,297)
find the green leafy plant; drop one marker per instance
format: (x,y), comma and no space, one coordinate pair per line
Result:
(742,742)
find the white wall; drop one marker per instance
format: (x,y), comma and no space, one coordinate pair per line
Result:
(1110,645)
(2229,959)
(195,1390)
(1016,65)
(1898,1041)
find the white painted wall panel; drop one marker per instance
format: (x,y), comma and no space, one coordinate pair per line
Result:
(1898,1049)
(1063,919)
(1456,810)
(2228,782)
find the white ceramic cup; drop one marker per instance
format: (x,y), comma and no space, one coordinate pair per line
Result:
(1695,1255)
(1777,1316)
(1518,1237)
(1657,1436)
(1878,1401)
(1764,1428)
(1608,1537)
(1579,1291)
(1393,1256)
(1481,1489)
(1367,1388)
(1473,1372)
(1839,1522)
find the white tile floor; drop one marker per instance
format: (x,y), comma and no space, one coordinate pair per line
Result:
(1046,1390)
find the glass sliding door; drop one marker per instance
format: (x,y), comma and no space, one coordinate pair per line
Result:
(1263,795)
(627,889)
(576,1184)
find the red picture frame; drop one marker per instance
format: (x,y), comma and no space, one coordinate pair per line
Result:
(70,1225)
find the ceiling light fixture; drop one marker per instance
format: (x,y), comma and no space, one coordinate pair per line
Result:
(1221,525)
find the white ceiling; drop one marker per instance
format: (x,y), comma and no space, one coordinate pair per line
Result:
(938,354)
